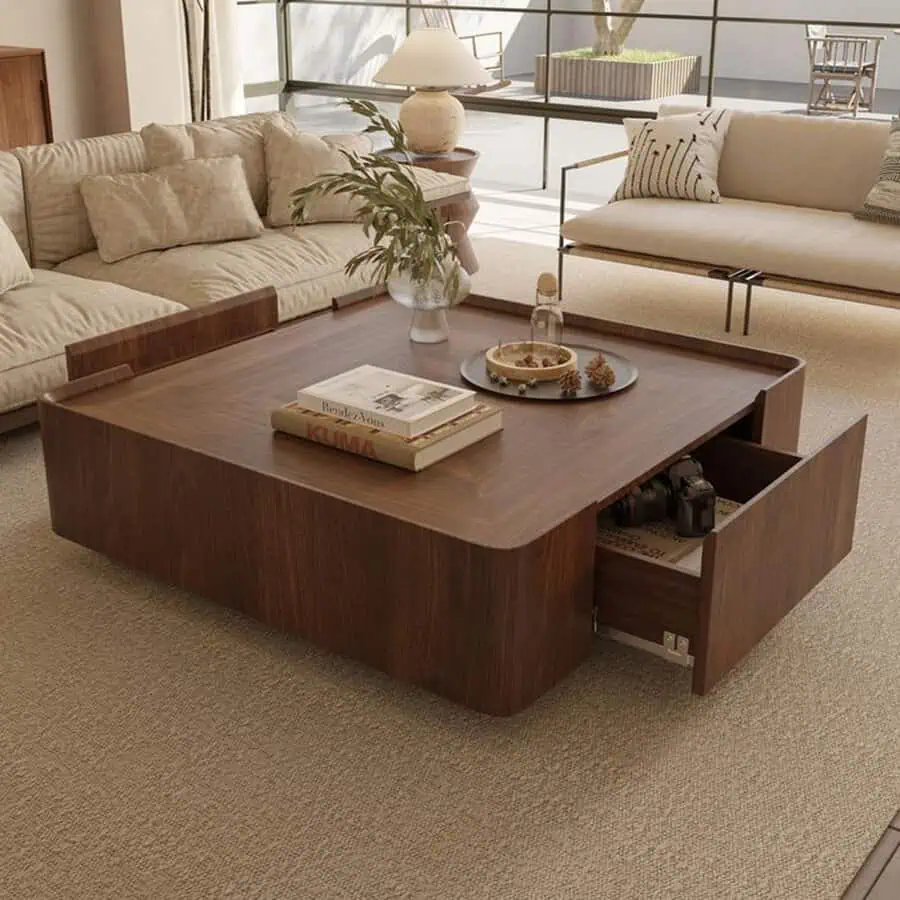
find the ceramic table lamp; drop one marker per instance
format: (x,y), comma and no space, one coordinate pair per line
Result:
(433,61)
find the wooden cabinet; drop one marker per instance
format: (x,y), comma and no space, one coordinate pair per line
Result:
(24,98)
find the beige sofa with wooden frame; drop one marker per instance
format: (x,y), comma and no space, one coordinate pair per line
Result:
(75,295)
(790,185)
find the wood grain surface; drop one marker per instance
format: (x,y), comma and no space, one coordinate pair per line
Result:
(773,551)
(476,578)
(550,462)
(25,106)
(161,342)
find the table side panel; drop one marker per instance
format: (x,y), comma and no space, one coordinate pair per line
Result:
(490,629)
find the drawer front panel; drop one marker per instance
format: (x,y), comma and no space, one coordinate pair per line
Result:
(644,597)
(774,551)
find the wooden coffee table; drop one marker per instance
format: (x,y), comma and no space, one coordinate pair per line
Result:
(480,578)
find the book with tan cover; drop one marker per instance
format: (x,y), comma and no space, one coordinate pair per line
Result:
(414,454)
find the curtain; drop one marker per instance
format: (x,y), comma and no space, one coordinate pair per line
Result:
(215,72)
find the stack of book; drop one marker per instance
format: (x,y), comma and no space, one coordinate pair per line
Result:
(389,416)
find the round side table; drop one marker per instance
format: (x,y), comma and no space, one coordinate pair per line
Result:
(461,213)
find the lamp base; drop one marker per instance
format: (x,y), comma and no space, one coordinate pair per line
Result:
(432,120)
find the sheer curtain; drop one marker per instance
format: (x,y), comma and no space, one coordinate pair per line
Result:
(215,73)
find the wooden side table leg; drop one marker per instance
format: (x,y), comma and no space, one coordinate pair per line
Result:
(462,214)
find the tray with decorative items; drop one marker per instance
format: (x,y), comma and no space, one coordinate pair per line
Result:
(561,373)
(544,368)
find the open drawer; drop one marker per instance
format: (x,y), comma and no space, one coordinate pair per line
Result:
(794,526)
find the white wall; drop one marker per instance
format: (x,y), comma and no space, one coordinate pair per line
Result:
(154,61)
(62,28)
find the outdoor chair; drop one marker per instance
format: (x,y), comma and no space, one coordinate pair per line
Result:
(843,70)
(487,46)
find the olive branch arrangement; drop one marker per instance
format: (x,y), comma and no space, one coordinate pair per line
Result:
(408,236)
(378,122)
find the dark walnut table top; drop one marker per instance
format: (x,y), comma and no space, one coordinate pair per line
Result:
(549,463)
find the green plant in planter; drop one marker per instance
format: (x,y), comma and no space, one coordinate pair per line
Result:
(378,122)
(408,237)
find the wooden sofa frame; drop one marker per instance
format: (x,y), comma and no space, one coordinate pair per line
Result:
(743,277)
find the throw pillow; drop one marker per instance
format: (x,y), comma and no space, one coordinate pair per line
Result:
(195,202)
(883,202)
(167,145)
(14,268)
(676,157)
(295,159)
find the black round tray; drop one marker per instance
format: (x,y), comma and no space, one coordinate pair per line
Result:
(474,371)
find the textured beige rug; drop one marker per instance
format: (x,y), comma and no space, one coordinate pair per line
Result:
(155,746)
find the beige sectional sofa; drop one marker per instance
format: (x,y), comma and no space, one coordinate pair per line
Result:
(790,185)
(76,295)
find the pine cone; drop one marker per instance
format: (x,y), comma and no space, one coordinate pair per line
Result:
(600,373)
(570,382)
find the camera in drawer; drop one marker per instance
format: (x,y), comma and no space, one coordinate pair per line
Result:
(794,525)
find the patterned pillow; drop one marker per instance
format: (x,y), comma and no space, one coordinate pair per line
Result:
(883,202)
(676,157)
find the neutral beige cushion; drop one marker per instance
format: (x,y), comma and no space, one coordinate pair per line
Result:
(811,161)
(200,201)
(791,241)
(305,265)
(12,199)
(53,174)
(235,136)
(38,320)
(675,156)
(294,159)
(14,268)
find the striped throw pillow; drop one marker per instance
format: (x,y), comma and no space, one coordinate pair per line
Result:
(676,157)
(883,202)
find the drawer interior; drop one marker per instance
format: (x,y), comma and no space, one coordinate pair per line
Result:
(791,522)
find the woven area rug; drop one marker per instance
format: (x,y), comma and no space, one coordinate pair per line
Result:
(156,746)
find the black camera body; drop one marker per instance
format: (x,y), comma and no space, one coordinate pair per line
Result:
(680,493)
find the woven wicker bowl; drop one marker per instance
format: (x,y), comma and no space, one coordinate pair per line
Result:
(505,361)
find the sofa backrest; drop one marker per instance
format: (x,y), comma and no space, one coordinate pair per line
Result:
(234,136)
(821,163)
(12,199)
(52,175)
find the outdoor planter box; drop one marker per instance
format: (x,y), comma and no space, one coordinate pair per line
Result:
(612,79)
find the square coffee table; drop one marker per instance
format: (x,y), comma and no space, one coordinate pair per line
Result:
(480,578)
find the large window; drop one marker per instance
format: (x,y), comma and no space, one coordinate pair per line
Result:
(307,54)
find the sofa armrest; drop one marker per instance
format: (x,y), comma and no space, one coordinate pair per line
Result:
(582,164)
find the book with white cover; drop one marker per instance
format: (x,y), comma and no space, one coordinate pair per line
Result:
(390,401)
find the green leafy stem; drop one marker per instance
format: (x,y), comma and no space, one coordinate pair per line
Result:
(408,236)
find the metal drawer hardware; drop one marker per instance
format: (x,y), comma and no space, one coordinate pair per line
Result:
(675,647)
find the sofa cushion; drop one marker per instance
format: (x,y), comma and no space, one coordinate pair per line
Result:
(675,156)
(794,242)
(53,173)
(296,158)
(38,320)
(812,161)
(14,268)
(236,136)
(12,200)
(199,201)
(305,265)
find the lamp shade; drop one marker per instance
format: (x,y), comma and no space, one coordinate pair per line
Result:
(432,58)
